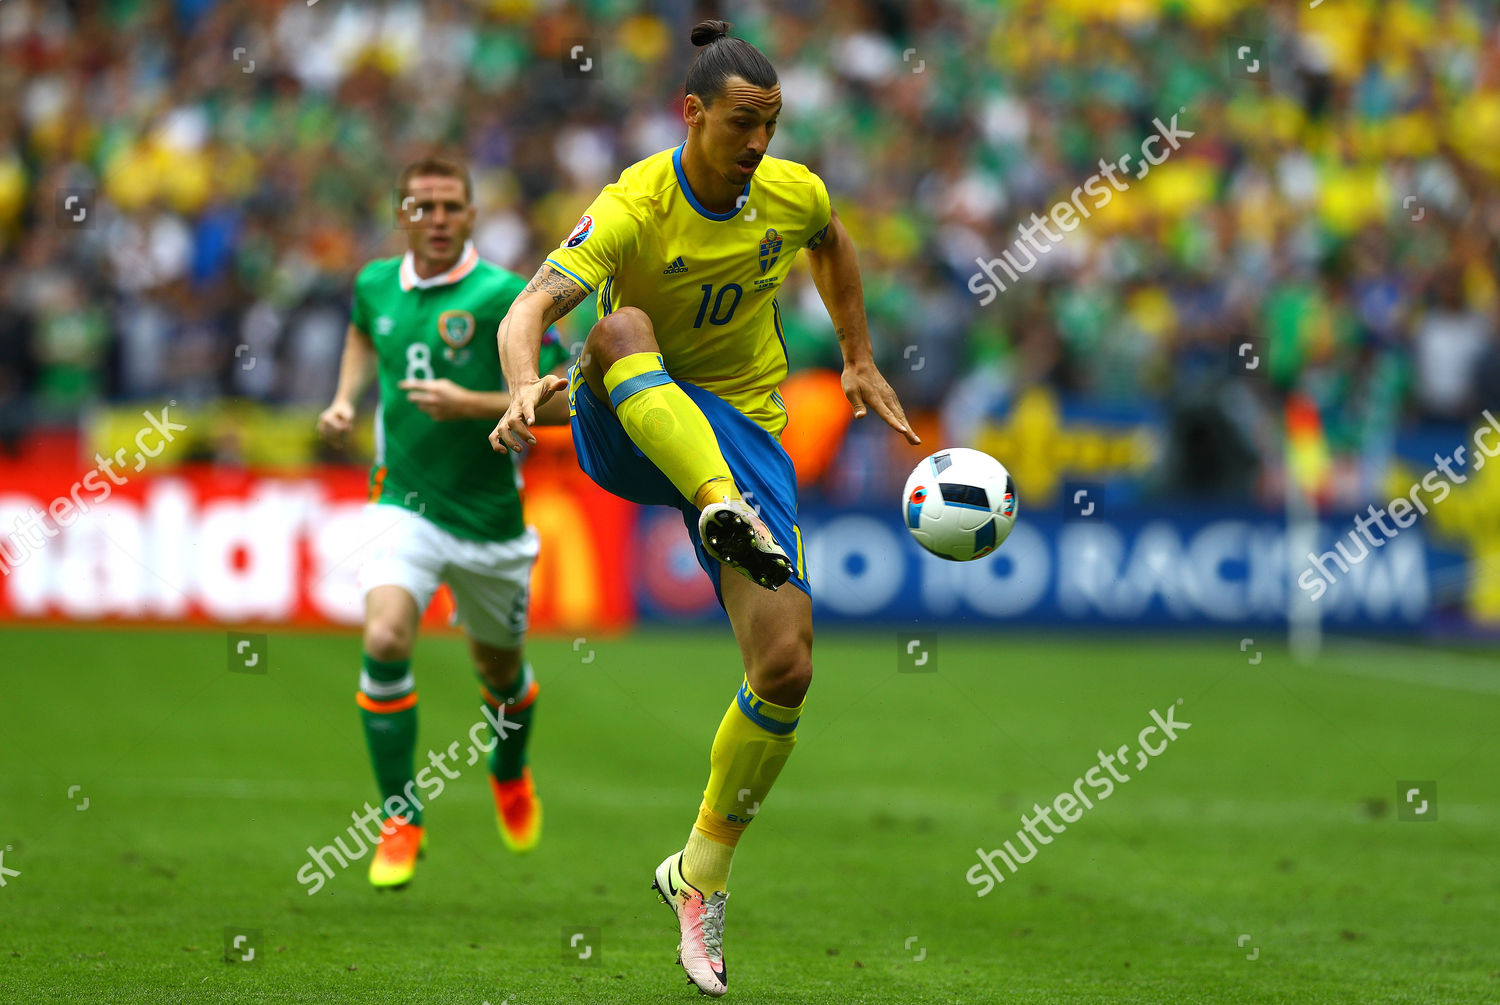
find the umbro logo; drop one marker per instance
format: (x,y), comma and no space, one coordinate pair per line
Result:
(678,266)
(384,325)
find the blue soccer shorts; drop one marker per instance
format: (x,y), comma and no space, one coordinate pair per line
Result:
(761,468)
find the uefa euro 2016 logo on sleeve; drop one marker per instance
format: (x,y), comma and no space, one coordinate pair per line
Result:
(581,232)
(770,250)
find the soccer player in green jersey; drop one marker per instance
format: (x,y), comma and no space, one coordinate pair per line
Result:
(674,402)
(443,506)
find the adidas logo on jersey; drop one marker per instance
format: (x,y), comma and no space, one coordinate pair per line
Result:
(678,266)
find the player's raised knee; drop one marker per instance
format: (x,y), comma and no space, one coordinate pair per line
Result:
(620,333)
(625,322)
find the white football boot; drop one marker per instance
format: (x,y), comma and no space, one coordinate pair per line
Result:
(700,921)
(734,533)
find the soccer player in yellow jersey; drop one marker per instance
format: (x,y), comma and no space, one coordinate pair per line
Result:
(674,402)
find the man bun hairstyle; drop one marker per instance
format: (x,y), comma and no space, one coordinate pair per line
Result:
(705,32)
(721,57)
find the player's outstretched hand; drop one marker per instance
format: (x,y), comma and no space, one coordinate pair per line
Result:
(335,421)
(866,388)
(441,399)
(514,427)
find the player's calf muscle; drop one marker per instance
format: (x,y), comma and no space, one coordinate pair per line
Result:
(496,667)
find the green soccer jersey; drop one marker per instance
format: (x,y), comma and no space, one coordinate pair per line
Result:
(424,329)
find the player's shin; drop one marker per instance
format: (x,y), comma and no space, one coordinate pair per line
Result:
(509,711)
(754,740)
(669,427)
(508,757)
(387,701)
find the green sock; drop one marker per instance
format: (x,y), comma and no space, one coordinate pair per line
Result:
(508,759)
(387,701)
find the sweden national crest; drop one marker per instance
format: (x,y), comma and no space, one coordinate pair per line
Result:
(770,250)
(456,328)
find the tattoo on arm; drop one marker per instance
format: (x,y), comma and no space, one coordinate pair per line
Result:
(565,293)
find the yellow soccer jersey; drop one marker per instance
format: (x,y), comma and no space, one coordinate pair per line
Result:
(707,281)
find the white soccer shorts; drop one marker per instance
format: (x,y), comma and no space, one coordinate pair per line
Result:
(490,580)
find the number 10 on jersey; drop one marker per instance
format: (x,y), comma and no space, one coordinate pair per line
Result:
(720,315)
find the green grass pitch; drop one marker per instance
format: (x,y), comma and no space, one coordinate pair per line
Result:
(1259,858)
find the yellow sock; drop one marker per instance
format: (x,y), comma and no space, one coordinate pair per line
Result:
(669,428)
(754,740)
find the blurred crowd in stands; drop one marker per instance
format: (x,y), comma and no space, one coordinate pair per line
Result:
(1336,206)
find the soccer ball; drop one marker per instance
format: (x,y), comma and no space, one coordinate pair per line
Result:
(959,504)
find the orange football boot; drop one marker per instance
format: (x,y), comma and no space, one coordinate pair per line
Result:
(518,811)
(396,855)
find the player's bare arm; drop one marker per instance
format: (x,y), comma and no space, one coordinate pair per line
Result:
(835,271)
(356,371)
(548,297)
(443,400)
